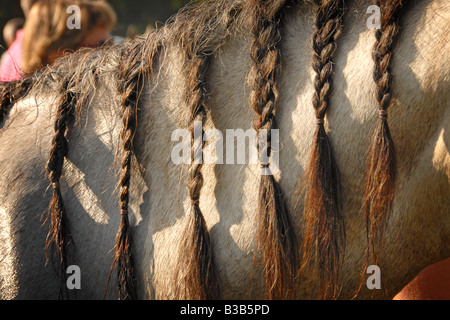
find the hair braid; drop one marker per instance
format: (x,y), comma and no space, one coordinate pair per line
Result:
(382,166)
(59,233)
(199,279)
(275,238)
(323,223)
(129,89)
(136,64)
(123,255)
(196,275)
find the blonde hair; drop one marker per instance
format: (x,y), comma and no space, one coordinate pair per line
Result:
(46,30)
(26,6)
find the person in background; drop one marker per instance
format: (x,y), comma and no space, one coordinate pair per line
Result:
(9,33)
(433,283)
(10,66)
(10,29)
(46,35)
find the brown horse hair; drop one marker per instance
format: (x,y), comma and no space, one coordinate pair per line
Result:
(382,164)
(198,280)
(133,75)
(59,236)
(275,238)
(196,277)
(122,250)
(11,92)
(323,223)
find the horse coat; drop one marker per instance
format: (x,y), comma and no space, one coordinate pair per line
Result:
(418,228)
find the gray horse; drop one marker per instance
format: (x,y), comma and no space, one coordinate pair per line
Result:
(87,176)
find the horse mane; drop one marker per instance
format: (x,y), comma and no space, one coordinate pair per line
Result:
(199,31)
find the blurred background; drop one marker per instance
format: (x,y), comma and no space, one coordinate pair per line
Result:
(133,16)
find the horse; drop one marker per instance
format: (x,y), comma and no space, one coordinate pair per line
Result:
(363,179)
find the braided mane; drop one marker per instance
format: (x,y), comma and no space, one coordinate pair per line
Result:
(275,238)
(323,221)
(199,32)
(382,163)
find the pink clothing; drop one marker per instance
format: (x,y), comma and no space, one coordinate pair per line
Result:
(11,64)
